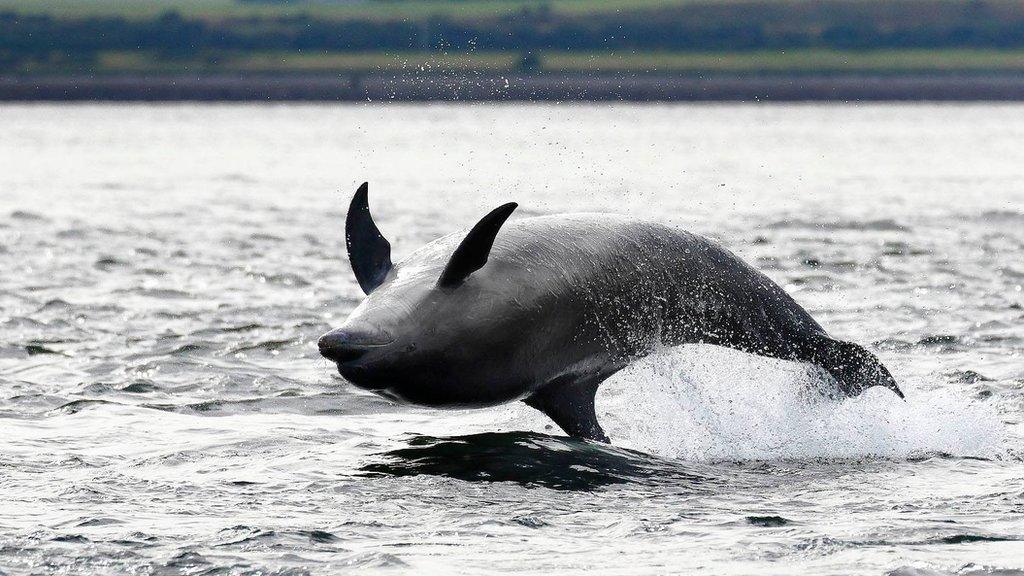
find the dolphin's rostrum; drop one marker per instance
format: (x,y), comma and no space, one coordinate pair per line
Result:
(544,309)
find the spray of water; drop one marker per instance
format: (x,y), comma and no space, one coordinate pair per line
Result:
(711,404)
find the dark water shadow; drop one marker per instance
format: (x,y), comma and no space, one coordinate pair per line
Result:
(535,460)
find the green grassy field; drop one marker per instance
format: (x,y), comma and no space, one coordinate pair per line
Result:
(790,61)
(326,9)
(278,62)
(803,60)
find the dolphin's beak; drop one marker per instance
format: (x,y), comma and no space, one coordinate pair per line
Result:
(342,345)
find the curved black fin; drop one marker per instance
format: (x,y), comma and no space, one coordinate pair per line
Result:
(569,401)
(471,255)
(368,251)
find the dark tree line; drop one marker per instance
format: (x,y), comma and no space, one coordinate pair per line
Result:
(851,24)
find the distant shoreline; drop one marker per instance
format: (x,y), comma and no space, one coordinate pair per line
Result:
(352,87)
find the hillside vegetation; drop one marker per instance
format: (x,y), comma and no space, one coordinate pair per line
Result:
(99,36)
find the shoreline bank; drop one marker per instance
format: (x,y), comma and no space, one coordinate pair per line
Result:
(495,87)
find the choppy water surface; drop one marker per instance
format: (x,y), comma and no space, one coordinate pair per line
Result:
(167,269)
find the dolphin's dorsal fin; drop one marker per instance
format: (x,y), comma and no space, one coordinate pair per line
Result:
(472,253)
(368,251)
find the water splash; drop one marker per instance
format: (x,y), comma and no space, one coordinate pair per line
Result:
(710,404)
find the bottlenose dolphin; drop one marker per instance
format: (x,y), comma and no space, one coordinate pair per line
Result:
(553,305)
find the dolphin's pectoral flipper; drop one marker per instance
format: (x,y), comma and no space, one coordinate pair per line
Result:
(369,251)
(853,368)
(569,401)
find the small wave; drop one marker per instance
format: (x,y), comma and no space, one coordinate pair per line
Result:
(282,279)
(22,322)
(227,329)
(265,237)
(768,521)
(187,560)
(238,535)
(74,234)
(137,540)
(939,340)
(110,263)
(111,186)
(266,346)
(71,539)
(57,304)
(237,406)
(76,406)
(320,536)
(372,560)
(95,388)
(159,293)
(967,538)
(38,349)
(896,248)
(236,177)
(100,521)
(141,387)
(529,521)
(882,225)
(26,216)
(968,570)
(191,349)
(318,404)
(1001,216)
(894,344)
(968,377)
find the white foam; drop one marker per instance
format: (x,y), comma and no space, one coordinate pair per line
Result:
(707,404)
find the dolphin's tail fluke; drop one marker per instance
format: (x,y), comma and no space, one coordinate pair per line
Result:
(853,368)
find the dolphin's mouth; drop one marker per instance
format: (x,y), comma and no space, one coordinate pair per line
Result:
(359,376)
(349,350)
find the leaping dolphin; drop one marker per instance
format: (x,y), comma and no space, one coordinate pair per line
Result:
(551,307)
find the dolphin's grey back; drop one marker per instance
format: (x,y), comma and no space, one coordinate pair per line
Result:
(639,284)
